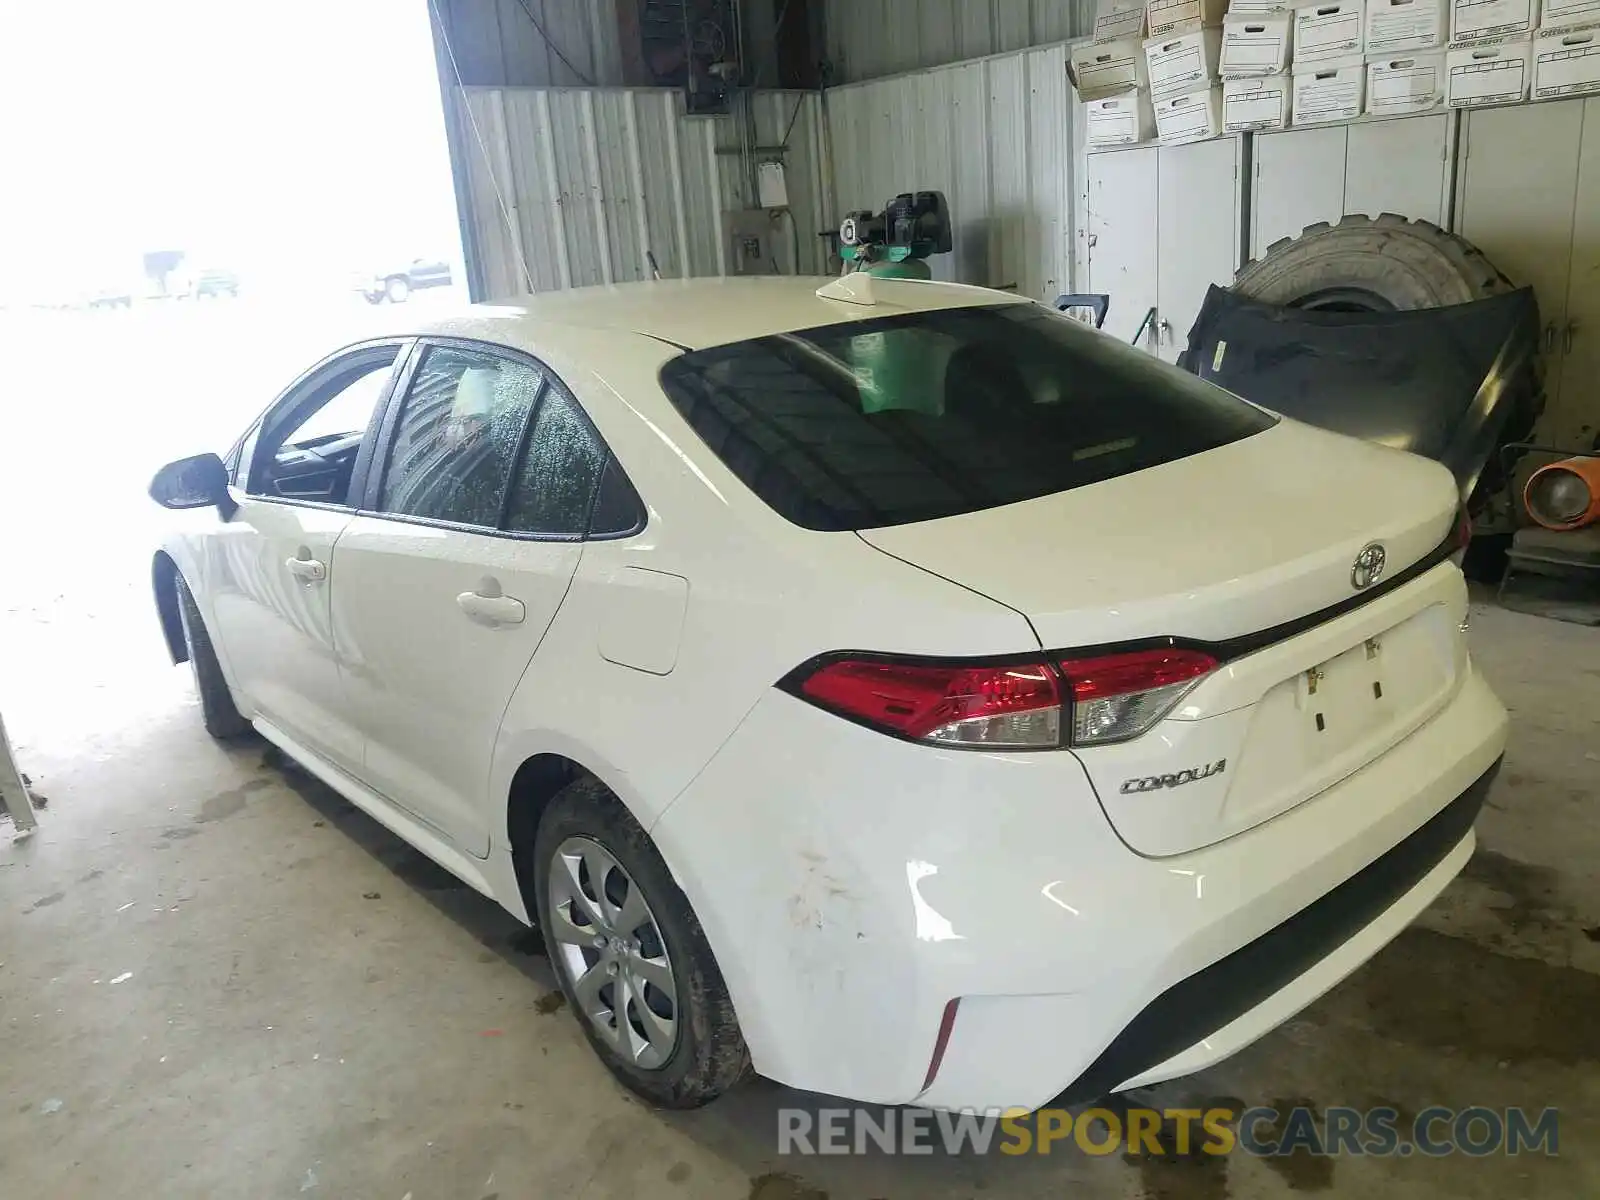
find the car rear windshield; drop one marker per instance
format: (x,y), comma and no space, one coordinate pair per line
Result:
(933,414)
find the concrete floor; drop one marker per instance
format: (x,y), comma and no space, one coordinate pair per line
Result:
(219,980)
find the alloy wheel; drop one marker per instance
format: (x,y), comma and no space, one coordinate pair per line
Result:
(606,940)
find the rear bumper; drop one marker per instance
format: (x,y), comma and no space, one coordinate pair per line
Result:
(852,885)
(1220,1009)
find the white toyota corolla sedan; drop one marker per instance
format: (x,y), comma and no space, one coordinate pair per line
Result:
(894,688)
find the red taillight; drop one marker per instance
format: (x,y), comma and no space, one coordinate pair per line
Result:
(1006,706)
(1118,696)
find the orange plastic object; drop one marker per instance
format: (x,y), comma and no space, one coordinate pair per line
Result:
(1564,495)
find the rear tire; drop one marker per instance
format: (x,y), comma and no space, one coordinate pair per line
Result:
(397,289)
(222,718)
(707,1053)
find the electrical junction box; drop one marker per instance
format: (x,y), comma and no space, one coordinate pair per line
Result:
(771,190)
(749,234)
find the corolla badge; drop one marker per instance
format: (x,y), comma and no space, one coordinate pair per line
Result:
(1154,783)
(1368,567)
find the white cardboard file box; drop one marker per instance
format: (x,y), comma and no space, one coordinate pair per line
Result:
(1118,19)
(1254,104)
(1395,25)
(1475,20)
(1553,13)
(1566,62)
(1255,45)
(1191,117)
(1405,84)
(1185,62)
(1257,8)
(1493,72)
(1332,29)
(1100,69)
(1124,120)
(1167,17)
(1328,91)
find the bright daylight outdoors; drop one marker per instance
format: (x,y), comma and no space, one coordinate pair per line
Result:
(199,200)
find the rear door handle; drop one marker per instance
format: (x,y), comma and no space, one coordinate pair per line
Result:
(490,606)
(309,569)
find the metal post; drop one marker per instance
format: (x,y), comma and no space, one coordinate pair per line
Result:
(14,796)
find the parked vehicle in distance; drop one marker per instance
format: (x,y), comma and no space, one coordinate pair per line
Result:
(891,686)
(203,283)
(396,286)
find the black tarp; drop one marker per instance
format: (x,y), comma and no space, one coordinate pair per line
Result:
(1447,383)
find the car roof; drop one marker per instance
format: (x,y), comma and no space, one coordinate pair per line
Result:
(696,313)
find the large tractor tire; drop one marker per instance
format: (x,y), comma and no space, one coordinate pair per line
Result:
(1371,264)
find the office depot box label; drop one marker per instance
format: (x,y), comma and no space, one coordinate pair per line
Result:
(1405,84)
(1475,20)
(1329,30)
(1566,62)
(1491,72)
(1255,45)
(1190,117)
(1394,25)
(1328,91)
(1185,62)
(1255,104)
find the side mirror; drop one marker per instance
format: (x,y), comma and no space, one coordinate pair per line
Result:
(198,482)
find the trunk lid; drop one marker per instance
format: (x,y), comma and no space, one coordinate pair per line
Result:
(1254,535)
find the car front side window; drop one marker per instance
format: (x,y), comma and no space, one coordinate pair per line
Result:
(306,448)
(459,436)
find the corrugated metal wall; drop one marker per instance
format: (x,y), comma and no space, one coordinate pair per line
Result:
(578,183)
(868,39)
(996,136)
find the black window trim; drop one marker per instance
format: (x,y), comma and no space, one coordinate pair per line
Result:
(405,350)
(388,427)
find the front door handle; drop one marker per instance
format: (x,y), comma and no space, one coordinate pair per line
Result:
(490,606)
(307,568)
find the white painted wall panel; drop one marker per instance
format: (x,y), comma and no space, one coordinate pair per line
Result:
(995,136)
(570,187)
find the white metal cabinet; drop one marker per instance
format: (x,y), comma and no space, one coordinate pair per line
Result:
(1299,180)
(1303,176)
(1518,201)
(1163,225)
(1400,166)
(1123,229)
(1197,241)
(1572,416)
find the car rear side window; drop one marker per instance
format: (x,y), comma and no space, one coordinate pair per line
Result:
(933,414)
(555,487)
(458,438)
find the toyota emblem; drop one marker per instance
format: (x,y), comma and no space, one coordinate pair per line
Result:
(1368,568)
